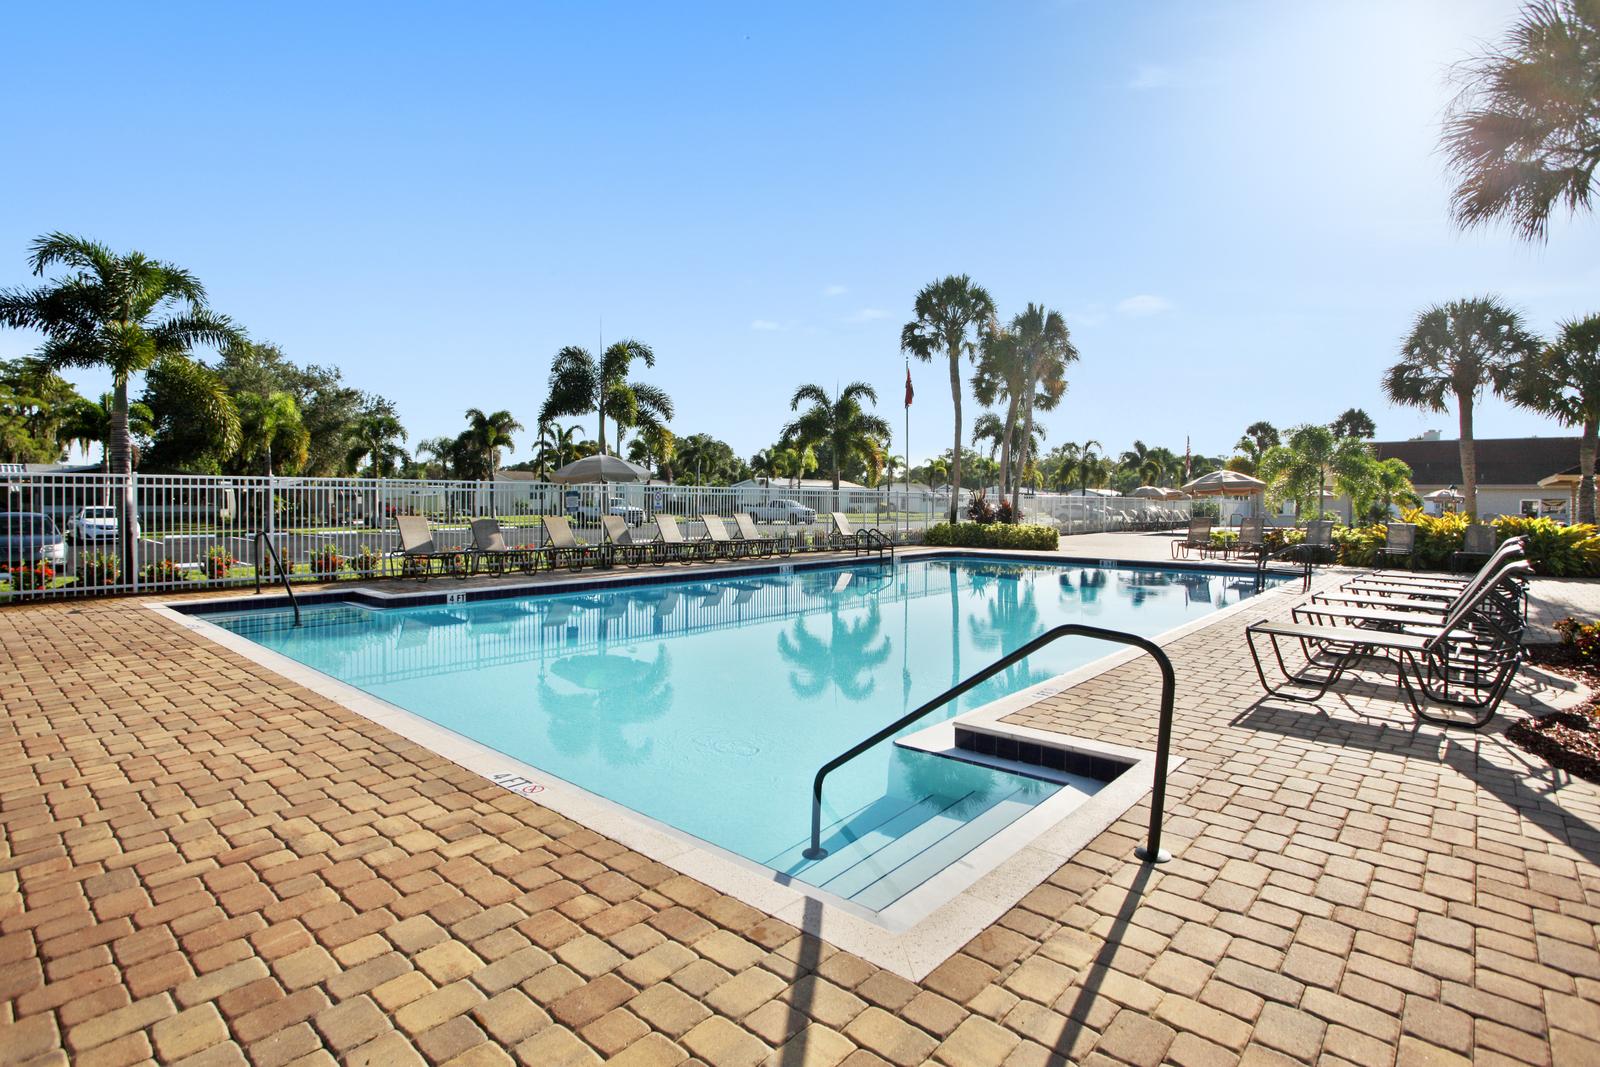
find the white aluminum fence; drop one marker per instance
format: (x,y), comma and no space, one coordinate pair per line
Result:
(82,534)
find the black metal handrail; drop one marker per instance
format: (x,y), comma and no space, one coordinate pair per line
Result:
(277,562)
(1307,551)
(1152,851)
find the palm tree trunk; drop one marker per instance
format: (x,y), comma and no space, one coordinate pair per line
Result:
(1469,460)
(955,454)
(602,412)
(1023,447)
(120,458)
(1586,452)
(1005,446)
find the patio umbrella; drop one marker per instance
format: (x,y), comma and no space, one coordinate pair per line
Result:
(600,469)
(1444,496)
(1225,483)
(1150,490)
(1174,494)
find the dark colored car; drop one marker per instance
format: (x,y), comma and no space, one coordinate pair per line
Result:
(28,537)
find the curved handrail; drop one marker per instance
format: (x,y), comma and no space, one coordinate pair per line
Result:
(277,562)
(1152,851)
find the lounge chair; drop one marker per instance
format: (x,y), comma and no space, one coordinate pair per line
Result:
(844,535)
(418,553)
(1198,537)
(620,540)
(727,546)
(1414,605)
(673,547)
(1466,661)
(747,530)
(1399,539)
(1478,543)
(490,548)
(561,547)
(1252,541)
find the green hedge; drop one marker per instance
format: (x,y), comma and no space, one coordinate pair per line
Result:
(993,535)
(1553,549)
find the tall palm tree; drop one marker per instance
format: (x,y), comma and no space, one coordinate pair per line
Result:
(557,446)
(482,440)
(1001,375)
(1523,136)
(1145,463)
(271,423)
(950,316)
(580,383)
(794,463)
(378,438)
(1454,350)
(87,422)
(125,313)
(436,456)
(839,425)
(1354,423)
(1047,350)
(1258,437)
(1563,382)
(654,447)
(988,428)
(1302,468)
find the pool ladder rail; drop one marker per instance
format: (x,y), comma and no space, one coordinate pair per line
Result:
(261,539)
(1151,852)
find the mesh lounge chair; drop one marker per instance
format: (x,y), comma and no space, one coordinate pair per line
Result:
(418,553)
(1416,605)
(844,535)
(1399,539)
(1467,661)
(1198,538)
(726,546)
(1252,543)
(747,530)
(673,547)
(620,540)
(561,547)
(1478,543)
(490,548)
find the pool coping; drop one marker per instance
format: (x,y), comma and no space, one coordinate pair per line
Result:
(912,936)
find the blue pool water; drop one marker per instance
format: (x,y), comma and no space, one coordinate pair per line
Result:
(709,704)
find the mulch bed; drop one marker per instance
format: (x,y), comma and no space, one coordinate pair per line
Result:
(1567,740)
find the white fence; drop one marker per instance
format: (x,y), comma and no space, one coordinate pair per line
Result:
(81,534)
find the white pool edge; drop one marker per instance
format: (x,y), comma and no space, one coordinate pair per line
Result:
(909,938)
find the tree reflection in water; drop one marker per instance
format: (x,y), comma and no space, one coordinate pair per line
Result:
(612,693)
(844,659)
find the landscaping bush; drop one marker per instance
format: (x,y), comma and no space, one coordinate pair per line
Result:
(23,576)
(326,560)
(366,561)
(1553,549)
(99,568)
(979,510)
(993,535)
(1582,637)
(161,571)
(219,561)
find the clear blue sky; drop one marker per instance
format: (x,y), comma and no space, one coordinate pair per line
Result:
(1238,206)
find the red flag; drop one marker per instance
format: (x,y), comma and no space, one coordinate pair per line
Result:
(909,391)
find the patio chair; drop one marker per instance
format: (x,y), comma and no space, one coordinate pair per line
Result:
(747,530)
(1467,661)
(1385,583)
(490,548)
(560,546)
(844,535)
(1198,538)
(673,547)
(418,553)
(1478,543)
(726,546)
(1252,541)
(1399,540)
(1416,606)
(624,549)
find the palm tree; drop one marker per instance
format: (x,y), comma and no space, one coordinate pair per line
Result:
(1258,437)
(1354,423)
(377,437)
(1563,382)
(1522,135)
(988,427)
(271,423)
(1047,350)
(125,313)
(1302,467)
(794,463)
(655,446)
(845,431)
(88,422)
(579,384)
(950,315)
(1388,483)
(1001,374)
(436,455)
(1454,350)
(1147,464)
(482,440)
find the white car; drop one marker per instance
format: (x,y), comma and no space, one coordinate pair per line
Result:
(96,524)
(783,511)
(632,514)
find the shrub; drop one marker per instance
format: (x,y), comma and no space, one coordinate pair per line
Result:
(160,571)
(99,568)
(219,561)
(979,510)
(1553,549)
(326,559)
(1584,637)
(28,576)
(1003,512)
(993,535)
(366,561)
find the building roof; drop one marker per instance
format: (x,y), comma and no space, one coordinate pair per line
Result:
(1501,460)
(805,483)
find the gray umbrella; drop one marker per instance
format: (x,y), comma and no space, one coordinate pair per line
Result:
(600,469)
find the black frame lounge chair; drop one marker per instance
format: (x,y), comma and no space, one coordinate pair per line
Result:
(491,551)
(672,547)
(418,553)
(1198,537)
(561,546)
(867,539)
(1252,543)
(727,546)
(746,526)
(623,548)
(1399,540)
(1477,543)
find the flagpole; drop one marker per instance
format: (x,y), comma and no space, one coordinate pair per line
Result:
(907,503)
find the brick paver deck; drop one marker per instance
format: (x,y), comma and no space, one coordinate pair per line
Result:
(202,864)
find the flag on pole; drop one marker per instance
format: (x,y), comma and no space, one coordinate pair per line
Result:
(909,391)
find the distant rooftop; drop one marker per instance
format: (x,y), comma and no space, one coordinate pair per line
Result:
(1501,460)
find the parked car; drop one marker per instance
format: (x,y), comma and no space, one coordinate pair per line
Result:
(632,514)
(96,524)
(28,537)
(783,511)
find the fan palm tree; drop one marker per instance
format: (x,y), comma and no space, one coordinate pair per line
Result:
(839,425)
(1258,437)
(1454,350)
(1563,382)
(378,438)
(125,313)
(1523,136)
(580,384)
(1354,423)
(950,316)
(1047,350)
(1302,468)
(481,442)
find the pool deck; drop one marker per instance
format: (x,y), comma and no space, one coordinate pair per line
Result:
(201,863)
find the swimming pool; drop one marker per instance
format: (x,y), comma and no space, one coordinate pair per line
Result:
(707,704)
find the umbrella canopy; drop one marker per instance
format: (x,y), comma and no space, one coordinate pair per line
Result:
(1225,483)
(600,469)
(1150,490)
(1174,494)
(1446,496)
